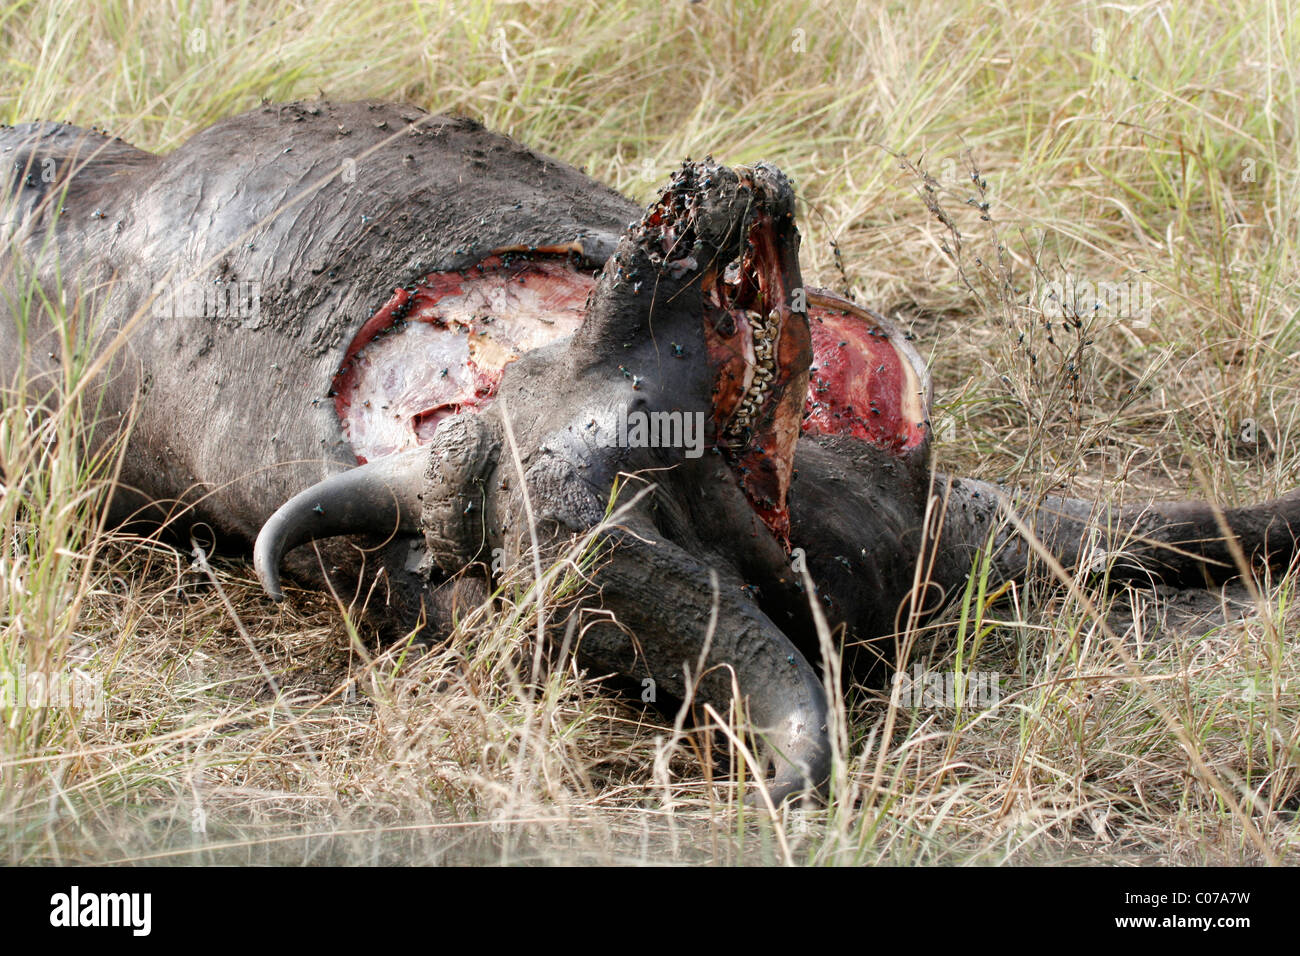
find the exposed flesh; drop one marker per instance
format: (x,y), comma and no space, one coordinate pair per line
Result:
(865,381)
(760,355)
(440,347)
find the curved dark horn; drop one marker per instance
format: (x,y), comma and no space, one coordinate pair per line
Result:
(796,722)
(654,587)
(380,497)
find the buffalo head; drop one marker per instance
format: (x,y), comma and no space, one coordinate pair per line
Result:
(686,379)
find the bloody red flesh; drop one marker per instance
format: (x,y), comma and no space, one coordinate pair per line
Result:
(760,351)
(861,384)
(440,347)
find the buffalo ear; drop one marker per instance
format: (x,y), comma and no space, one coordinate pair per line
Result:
(378,498)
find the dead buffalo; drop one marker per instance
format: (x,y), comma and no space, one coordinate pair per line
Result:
(363,320)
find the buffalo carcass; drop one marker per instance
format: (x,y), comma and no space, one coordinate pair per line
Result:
(363,320)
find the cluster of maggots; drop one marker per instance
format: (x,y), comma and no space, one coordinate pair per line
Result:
(764,335)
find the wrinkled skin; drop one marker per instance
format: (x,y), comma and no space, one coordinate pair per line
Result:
(234,414)
(322,417)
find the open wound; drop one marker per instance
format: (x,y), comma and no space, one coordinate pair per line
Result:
(865,380)
(440,346)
